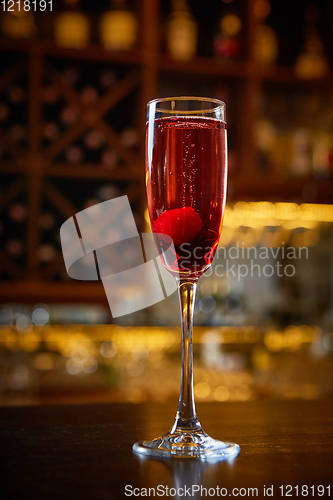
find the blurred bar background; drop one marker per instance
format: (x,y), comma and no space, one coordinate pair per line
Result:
(74,85)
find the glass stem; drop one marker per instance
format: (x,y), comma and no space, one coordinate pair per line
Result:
(186,418)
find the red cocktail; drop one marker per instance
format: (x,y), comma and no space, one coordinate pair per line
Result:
(186,188)
(186,172)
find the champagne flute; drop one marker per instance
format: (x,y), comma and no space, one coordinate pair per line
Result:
(186,176)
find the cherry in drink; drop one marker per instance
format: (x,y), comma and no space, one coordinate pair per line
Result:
(187,168)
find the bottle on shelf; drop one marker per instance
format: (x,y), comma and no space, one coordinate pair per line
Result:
(17,212)
(266,45)
(108,159)
(15,248)
(322,148)
(312,61)
(227,43)
(118,27)
(74,155)
(322,153)
(272,134)
(300,165)
(181,32)
(264,140)
(71,27)
(17,23)
(46,252)
(301,133)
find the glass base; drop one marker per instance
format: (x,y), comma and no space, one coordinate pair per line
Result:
(183,444)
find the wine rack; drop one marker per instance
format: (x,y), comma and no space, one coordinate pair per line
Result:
(72,133)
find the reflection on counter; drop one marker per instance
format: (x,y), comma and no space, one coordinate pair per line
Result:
(58,364)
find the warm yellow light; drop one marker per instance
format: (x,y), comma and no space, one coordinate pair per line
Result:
(201,390)
(72,29)
(291,338)
(221,393)
(118,30)
(242,393)
(289,215)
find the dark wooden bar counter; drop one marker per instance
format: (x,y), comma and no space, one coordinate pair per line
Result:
(84,451)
